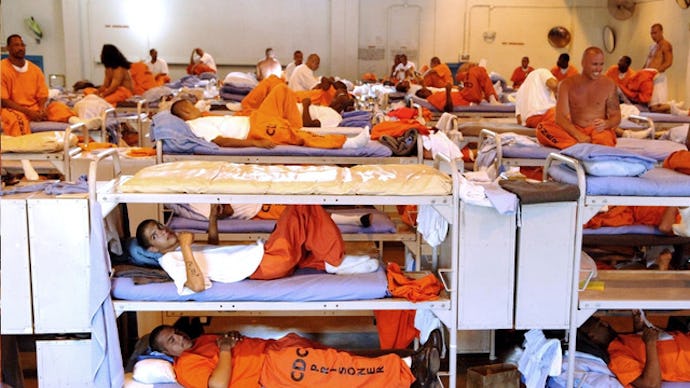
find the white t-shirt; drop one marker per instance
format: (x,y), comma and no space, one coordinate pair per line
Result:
(328,116)
(160,67)
(302,78)
(225,264)
(534,97)
(401,69)
(207,59)
(289,69)
(210,127)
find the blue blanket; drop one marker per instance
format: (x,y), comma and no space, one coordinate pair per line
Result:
(356,119)
(587,152)
(177,135)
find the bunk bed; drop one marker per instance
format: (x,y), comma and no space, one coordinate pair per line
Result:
(222,182)
(622,290)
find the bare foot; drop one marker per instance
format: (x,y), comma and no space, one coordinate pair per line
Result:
(638,325)
(664,260)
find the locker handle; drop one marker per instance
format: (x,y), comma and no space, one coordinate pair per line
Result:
(442,271)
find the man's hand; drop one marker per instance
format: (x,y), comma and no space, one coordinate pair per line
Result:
(228,341)
(36,115)
(599,125)
(582,138)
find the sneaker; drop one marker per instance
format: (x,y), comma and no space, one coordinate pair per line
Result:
(426,363)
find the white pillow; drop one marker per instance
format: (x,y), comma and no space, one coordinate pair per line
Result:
(614,168)
(153,371)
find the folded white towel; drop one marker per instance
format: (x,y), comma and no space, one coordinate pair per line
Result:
(352,264)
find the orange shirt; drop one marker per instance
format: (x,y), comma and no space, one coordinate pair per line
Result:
(628,357)
(439,76)
(640,86)
(142,78)
(23,88)
(519,75)
(477,85)
(571,71)
(615,75)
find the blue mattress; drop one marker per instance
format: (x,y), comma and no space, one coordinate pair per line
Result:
(303,286)
(657,182)
(380,223)
(655,149)
(627,229)
(373,149)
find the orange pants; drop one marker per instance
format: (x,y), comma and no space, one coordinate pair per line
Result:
(438,100)
(253,100)
(551,134)
(198,68)
(629,215)
(288,362)
(534,120)
(120,94)
(679,161)
(293,366)
(305,237)
(277,119)
(15,123)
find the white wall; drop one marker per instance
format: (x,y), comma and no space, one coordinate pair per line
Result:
(520,26)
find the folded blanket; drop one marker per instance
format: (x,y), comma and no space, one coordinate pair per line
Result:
(356,119)
(600,160)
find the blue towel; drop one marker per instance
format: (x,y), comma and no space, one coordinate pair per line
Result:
(356,119)
(177,136)
(587,152)
(141,256)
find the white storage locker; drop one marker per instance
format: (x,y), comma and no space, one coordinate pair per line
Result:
(15,274)
(64,363)
(486,269)
(59,244)
(546,249)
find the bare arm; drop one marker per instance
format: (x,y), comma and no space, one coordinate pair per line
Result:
(232,142)
(106,81)
(563,114)
(195,278)
(613,111)
(220,377)
(651,374)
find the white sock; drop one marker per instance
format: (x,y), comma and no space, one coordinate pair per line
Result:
(408,361)
(346,219)
(358,141)
(29,172)
(676,110)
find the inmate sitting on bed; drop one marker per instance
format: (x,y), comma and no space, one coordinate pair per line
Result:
(638,360)
(276,121)
(25,94)
(475,84)
(587,108)
(305,236)
(231,360)
(535,97)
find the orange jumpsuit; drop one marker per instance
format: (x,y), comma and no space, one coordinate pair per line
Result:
(556,71)
(628,357)
(142,78)
(289,361)
(519,76)
(198,68)
(397,128)
(120,94)
(679,161)
(477,85)
(277,119)
(305,237)
(439,76)
(640,86)
(551,134)
(628,215)
(26,89)
(614,74)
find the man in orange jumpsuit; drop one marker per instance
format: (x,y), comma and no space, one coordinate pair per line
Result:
(587,108)
(24,93)
(638,360)
(232,360)
(563,68)
(521,72)
(621,73)
(439,74)
(476,84)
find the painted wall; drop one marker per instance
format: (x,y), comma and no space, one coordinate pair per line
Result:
(364,34)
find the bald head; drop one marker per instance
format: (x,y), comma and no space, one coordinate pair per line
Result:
(592,62)
(313,61)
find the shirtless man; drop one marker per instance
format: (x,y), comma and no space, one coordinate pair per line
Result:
(660,57)
(587,108)
(268,66)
